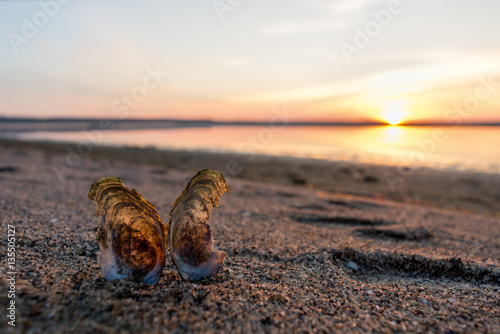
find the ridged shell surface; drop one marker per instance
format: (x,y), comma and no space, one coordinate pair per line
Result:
(131,236)
(189,233)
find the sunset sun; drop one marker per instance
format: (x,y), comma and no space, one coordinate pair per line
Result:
(394,116)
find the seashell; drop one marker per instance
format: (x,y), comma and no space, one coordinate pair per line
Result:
(189,234)
(133,240)
(131,236)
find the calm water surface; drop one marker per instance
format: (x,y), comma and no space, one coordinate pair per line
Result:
(465,148)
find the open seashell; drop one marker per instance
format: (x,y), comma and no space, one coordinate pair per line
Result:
(131,236)
(133,240)
(189,234)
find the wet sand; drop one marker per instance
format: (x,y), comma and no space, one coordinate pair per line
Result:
(310,246)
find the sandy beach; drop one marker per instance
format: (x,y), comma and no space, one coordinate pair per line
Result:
(311,246)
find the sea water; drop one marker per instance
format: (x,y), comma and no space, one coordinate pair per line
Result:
(462,148)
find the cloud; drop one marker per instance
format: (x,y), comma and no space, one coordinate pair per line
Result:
(387,84)
(341,6)
(235,61)
(301,27)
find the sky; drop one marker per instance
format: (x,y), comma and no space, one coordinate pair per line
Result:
(314,60)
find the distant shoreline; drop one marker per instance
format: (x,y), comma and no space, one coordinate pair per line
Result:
(80,124)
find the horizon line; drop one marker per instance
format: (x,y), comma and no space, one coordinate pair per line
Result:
(208,122)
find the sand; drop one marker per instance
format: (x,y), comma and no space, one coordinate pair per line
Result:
(310,247)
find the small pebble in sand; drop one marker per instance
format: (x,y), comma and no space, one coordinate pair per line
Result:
(370,292)
(352,265)
(451,300)
(54,220)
